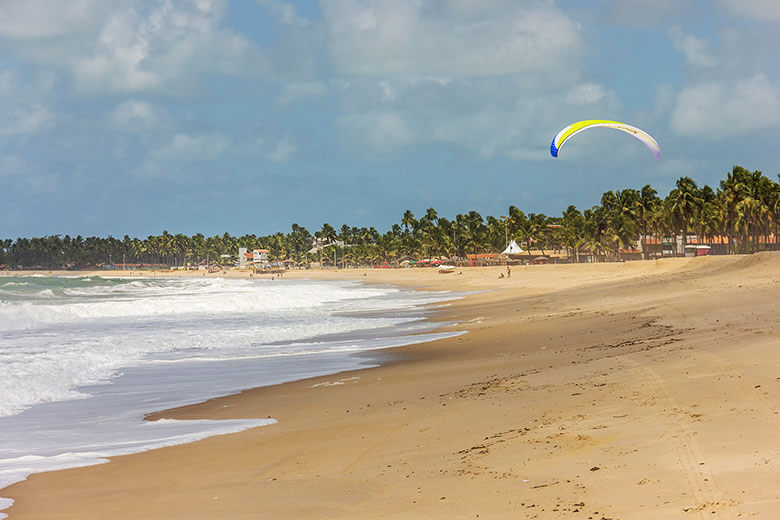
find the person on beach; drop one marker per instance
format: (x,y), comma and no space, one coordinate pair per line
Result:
(508,272)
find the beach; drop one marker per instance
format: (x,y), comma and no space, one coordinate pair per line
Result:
(644,389)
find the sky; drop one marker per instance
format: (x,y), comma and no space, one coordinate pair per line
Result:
(210,116)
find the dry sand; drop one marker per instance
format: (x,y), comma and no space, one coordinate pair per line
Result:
(636,390)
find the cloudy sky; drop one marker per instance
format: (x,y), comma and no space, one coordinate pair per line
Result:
(133,116)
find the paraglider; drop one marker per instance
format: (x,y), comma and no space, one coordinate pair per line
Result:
(579,126)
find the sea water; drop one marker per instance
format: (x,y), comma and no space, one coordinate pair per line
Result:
(82,359)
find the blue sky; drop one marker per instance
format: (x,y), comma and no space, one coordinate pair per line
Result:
(130,117)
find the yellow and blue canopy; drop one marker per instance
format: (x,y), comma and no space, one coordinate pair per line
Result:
(579,126)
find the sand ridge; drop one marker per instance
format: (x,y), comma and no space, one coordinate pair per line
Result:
(636,390)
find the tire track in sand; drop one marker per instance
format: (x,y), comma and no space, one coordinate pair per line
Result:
(749,390)
(689,456)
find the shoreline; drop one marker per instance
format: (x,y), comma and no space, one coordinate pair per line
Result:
(118,405)
(575,385)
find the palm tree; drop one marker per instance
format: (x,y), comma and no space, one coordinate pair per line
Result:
(729,197)
(431,215)
(525,231)
(774,211)
(572,231)
(327,233)
(408,221)
(646,203)
(474,231)
(685,202)
(495,235)
(621,218)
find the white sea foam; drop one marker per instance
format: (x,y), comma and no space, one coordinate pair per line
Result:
(50,348)
(83,359)
(143,299)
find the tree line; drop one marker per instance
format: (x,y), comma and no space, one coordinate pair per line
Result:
(744,208)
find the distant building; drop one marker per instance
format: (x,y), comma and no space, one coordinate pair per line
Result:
(257,258)
(671,245)
(260,257)
(318,244)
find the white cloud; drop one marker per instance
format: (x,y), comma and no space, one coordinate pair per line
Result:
(484,131)
(387,91)
(33,119)
(36,19)
(388,130)
(298,91)
(185,147)
(469,9)
(490,118)
(268,147)
(641,13)
(528,154)
(121,56)
(42,182)
(105,47)
(381,132)
(132,114)
(695,50)
(30,120)
(474,75)
(129,45)
(761,10)
(7,79)
(412,38)
(718,109)
(400,72)
(283,150)
(163,49)
(585,94)
(675,167)
(663,103)
(285,11)
(14,165)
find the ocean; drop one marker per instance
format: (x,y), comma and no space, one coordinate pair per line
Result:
(82,359)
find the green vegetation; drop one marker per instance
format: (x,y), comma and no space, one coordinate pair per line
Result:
(745,208)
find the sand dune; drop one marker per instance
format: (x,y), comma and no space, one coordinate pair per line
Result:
(635,390)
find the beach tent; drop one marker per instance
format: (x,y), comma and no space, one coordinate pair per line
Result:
(512,249)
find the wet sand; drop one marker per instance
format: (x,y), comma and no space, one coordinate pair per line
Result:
(636,390)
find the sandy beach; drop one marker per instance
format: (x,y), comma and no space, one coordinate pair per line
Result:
(625,390)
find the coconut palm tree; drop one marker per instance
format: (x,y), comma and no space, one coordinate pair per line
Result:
(646,202)
(572,232)
(408,221)
(685,202)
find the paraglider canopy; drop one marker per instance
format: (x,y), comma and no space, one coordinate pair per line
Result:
(575,128)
